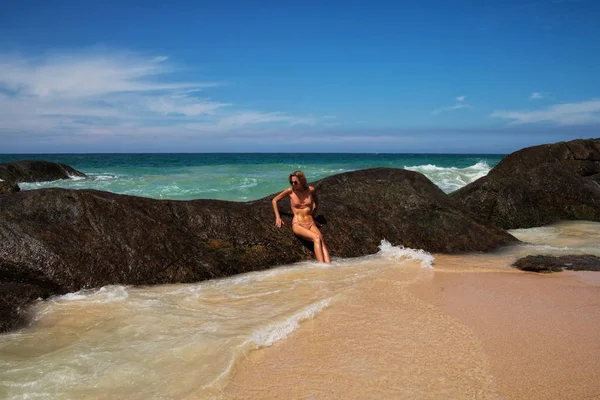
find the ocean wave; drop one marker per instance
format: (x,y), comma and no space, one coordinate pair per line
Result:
(543,233)
(276,331)
(549,247)
(76,178)
(545,248)
(103,176)
(450,179)
(105,294)
(247,183)
(401,253)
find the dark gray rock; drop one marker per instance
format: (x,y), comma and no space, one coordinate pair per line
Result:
(537,186)
(54,241)
(8,187)
(556,264)
(36,171)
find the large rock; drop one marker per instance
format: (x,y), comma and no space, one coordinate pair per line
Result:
(36,171)
(8,187)
(548,264)
(537,186)
(54,241)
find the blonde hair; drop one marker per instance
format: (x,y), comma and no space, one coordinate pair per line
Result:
(300,175)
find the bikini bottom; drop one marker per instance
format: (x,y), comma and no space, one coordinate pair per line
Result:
(306,225)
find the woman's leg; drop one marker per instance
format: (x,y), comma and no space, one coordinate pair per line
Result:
(315,237)
(326,258)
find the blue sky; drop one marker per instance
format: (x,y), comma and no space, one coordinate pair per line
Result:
(311,76)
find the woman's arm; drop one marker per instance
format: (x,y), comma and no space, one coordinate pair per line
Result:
(278,220)
(313,193)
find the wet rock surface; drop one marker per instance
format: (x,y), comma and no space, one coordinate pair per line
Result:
(537,186)
(54,241)
(36,171)
(548,264)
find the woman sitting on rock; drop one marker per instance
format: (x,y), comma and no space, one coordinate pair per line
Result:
(303,199)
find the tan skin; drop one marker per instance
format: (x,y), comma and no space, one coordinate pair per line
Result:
(303,214)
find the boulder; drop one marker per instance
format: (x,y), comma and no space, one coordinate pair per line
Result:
(556,264)
(62,240)
(8,187)
(36,171)
(403,207)
(537,186)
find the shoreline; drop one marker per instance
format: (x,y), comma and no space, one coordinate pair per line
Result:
(505,334)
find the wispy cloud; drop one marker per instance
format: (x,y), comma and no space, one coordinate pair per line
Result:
(114,94)
(537,96)
(460,103)
(253,117)
(183,105)
(76,77)
(584,112)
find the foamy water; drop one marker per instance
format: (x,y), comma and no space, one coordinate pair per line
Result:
(173,340)
(188,341)
(450,179)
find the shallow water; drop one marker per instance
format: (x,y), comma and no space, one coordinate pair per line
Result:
(188,341)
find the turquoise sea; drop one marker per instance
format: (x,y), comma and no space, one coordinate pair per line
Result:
(243,176)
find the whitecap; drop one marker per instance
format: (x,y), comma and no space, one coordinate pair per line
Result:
(450,179)
(401,253)
(105,294)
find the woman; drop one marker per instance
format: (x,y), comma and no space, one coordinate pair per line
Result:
(303,199)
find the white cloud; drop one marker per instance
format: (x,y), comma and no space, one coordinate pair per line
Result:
(113,94)
(537,96)
(584,112)
(160,59)
(254,117)
(360,139)
(85,76)
(184,105)
(460,104)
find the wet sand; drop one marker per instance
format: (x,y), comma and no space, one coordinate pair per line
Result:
(467,330)
(539,331)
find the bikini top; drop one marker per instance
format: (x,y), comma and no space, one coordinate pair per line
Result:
(307,202)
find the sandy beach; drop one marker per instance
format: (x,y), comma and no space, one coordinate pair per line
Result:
(539,332)
(469,329)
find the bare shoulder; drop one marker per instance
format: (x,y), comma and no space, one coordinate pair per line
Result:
(312,189)
(284,193)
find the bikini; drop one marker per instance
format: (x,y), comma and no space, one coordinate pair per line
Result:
(308,201)
(306,225)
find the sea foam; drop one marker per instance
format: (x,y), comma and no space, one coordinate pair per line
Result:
(397,253)
(450,179)
(105,294)
(276,331)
